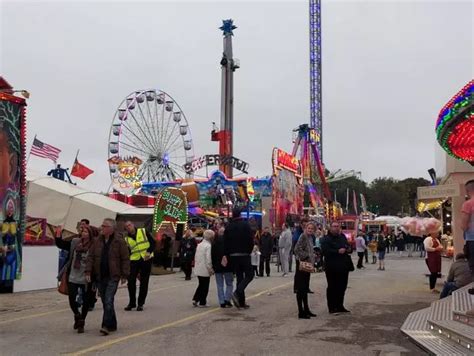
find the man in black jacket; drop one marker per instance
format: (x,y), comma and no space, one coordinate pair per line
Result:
(335,250)
(238,245)
(266,249)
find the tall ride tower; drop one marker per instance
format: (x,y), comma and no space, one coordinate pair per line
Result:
(228,66)
(315,72)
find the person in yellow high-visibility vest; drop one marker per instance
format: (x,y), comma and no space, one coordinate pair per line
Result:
(141,245)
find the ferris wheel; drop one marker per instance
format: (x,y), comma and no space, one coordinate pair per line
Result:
(149,141)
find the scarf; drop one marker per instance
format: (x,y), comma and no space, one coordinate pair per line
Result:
(81,249)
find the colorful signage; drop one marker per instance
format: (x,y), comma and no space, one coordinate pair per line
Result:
(216,160)
(125,174)
(250,190)
(171,207)
(12,185)
(284,160)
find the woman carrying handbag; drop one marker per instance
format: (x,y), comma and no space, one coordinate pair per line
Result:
(74,274)
(304,254)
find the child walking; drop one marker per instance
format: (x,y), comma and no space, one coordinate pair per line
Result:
(255,259)
(373,250)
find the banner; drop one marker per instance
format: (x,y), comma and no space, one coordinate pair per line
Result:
(35,233)
(12,185)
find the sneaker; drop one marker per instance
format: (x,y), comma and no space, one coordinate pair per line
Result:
(284,275)
(246,306)
(343,310)
(228,304)
(104,331)
(140,308)
(195,304)
(129,307)
(223,305)
(334,312)
(311,314)
(203,306)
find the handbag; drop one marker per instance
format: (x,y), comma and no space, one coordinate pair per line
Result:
(350,264)
(306,267)
(62,283)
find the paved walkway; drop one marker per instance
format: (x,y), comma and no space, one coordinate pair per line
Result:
(41,323)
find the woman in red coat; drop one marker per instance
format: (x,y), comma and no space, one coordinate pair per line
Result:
(433,249)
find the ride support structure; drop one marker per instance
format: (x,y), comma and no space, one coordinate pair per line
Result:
(228,67)
(315,72)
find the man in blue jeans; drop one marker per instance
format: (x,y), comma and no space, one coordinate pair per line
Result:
(238,245)
(108,263)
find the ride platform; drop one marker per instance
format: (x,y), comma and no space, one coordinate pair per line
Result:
(444,328)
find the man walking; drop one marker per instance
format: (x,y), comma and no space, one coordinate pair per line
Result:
(266,249)
(360,248)
(238,245)
(141,246)
(335,247)
(284,246)
(109,262)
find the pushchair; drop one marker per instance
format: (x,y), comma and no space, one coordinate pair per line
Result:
(318,259)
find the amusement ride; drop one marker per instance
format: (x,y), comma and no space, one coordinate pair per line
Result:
(149,139)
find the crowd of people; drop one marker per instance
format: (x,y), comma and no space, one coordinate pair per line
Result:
(99,259)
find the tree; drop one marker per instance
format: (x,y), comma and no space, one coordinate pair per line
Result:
(410,187)
(339,188)
(385,196)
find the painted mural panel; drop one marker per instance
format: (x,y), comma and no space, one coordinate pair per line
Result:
(12,186)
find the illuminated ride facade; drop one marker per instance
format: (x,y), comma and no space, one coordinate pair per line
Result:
(455,125)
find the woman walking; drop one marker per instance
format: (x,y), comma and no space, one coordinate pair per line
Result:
(304,253)
(433,249)
(186,255)
(203,269)
(75,269)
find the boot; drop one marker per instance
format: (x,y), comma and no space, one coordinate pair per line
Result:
(80,326)
(306,306)
(299,302)
(77,317)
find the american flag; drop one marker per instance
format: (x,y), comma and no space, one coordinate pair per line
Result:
(44,150)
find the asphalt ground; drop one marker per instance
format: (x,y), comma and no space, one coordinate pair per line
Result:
(40,322)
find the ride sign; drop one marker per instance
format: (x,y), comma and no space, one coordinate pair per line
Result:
(171,207)
(284,160)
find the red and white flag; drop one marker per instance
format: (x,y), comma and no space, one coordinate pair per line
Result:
(44,150)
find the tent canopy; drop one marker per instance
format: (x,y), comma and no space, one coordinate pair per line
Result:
(62,203)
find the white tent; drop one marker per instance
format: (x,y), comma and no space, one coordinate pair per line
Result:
(62,203)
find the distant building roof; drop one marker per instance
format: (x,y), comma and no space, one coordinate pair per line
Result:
(5,86)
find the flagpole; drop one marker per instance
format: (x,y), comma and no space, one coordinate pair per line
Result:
(75,159)
(29,154)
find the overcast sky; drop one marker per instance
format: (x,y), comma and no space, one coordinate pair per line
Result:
(388,68)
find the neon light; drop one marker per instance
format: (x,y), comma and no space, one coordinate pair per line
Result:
(455,124)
